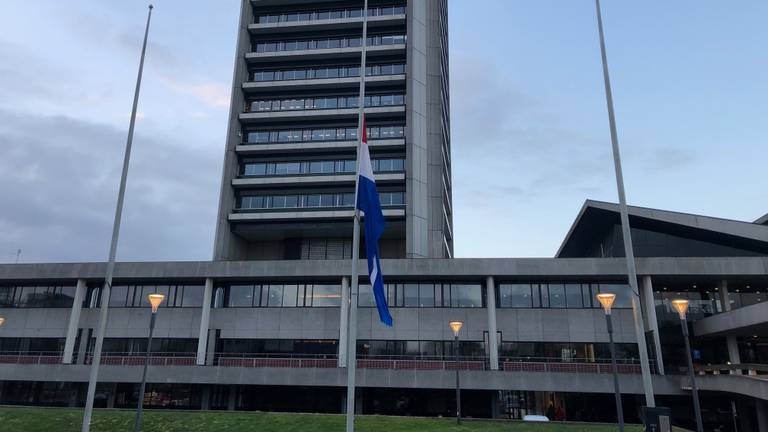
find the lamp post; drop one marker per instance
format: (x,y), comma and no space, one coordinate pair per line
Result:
(154,300)
(456,327)
(682,308)
(606,300)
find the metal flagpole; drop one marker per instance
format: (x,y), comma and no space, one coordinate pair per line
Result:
(352,326)
(96,360)
(628,251)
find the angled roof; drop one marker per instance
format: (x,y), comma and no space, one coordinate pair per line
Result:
(596,215)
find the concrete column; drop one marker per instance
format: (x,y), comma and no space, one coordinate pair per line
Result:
(733,353)
(343,322)
(205,398)
(205,320)
(84,341)
(493,345)
(231,400)
(762,415)
(651,323)
(725,302)
(74,321)
(112,396)
(211,352)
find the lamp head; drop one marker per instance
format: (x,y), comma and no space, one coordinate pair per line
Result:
(2,321)
(606,300)
(681,306)
(155,300)
(456,327)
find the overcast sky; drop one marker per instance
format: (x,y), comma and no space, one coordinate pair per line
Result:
(530,136)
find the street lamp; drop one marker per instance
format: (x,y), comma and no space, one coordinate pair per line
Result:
(606,300)
(456,327)
(2,321)
(682,307)
(154,300)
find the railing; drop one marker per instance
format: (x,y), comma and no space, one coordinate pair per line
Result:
(30,357)
(329,14)
(749,369)
(327,361)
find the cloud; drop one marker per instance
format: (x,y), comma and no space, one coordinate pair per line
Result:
(212,94)
(60,177)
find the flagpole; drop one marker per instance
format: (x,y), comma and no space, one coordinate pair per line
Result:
(625,229)
(352,326)
(96,358)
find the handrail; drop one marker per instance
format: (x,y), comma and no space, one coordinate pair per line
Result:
(732,367)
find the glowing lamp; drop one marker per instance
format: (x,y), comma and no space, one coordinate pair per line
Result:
(155,300)
(681,306)
(606,300)
(456,327)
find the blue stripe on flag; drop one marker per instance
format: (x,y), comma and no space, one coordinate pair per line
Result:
(368,202)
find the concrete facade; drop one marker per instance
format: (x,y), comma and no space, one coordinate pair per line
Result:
(421,226)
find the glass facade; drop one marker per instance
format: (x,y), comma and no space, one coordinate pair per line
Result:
(419,349)
(427,295)
(37,296)
(576,352)
(278,295)
(327,43)
(330,14)
(342,166)
(321,72)
(560,295)
(322,134)
(318,200)
(182,295)
(324,103)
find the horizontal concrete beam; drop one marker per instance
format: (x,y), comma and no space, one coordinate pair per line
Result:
(336,377)
(741,321)
(457,268)
(318,114)
(740,384)
(323,83)
(326,53)
(305,215)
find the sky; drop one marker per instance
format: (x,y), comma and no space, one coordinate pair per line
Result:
(530,140)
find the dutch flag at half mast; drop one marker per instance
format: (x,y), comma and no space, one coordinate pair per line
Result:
(368,202)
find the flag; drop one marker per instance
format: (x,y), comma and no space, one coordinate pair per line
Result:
(368,202)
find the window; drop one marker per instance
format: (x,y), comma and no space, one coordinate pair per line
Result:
(623,294)
(319,295)
(556,295)
(275,296)
(466,295)
(240,296)
(573,296)
(411,295)
(515,296)
(426,295)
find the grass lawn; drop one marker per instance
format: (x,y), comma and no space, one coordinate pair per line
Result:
(66,420)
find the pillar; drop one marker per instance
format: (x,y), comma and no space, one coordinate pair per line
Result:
(85,339)
(74,321)
(493,344)
(762,415)
(231,398)
(205,320)
(725,303)
(651,323)
(343,322)
(205,398)
(112,396)
(733,347)
(733,353)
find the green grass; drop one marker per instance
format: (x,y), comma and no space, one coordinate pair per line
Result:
(66,420)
